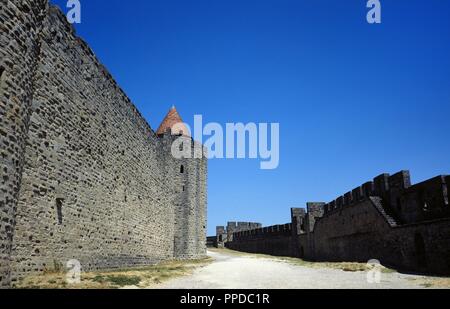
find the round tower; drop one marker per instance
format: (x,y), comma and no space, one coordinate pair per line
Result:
(186,182)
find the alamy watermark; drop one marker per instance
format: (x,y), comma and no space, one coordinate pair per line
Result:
(234,141)
(237,140)
(374,274)
(74,13)
(73,276)
(374,14)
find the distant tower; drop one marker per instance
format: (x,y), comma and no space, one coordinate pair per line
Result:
(186,181)
(173,124)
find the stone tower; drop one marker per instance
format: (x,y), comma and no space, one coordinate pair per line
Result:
(187,185)
(173,123)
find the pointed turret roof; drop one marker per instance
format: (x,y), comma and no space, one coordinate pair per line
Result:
(173,122)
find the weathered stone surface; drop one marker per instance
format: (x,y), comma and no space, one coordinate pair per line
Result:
(19,29)
(275,240)
(403,226)
(83,176)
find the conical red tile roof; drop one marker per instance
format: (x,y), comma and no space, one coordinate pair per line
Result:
(173,122)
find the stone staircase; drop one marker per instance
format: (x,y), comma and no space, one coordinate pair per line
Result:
(379,205)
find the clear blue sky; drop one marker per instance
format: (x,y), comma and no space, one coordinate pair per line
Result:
(353,100)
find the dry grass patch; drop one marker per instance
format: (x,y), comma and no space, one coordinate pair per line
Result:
(140,277)
(433,282)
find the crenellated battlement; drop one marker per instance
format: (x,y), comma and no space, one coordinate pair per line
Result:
(387,218)
(396,191)
(275,230)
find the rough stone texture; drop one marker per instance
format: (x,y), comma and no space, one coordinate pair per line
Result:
(83,175)
(403,226)
(274,240)
(211,242)
(190,202)
(360,232)
(234,227)
(226,235)
(221,237)
(19,29)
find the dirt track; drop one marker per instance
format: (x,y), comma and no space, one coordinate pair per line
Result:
(230,271)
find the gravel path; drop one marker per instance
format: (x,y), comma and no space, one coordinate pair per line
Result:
(229,271)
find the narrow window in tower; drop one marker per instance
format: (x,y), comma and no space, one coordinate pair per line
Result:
(184,188)
(2,72)
(182,169)
(399,204)
(59,205)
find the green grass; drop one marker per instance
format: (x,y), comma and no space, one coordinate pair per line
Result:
(123,280)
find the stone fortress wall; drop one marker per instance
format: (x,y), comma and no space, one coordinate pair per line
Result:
(225,234)
(235,227)
(274,240)
(83,176)
(401,225)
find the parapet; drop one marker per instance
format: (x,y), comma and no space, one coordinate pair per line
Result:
(298,219)
(380,186)
(298,212)
(407,203)
(235,227)
(270,231)
(428,200)
(188,147)
(242,226)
